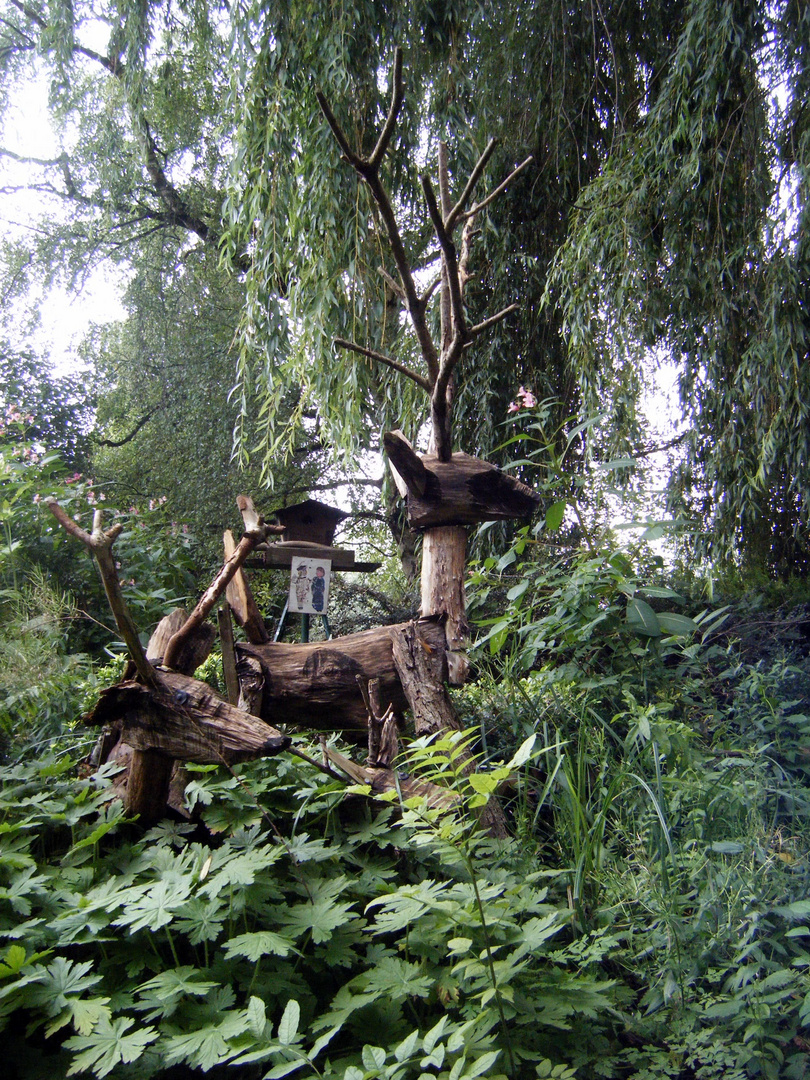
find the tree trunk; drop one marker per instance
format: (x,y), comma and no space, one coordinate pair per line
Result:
(150,774)
(315,685)
(444,552)
(421,673)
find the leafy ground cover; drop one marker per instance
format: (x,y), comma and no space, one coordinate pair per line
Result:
(649,920)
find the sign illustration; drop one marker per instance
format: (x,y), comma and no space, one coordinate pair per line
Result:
(309,586)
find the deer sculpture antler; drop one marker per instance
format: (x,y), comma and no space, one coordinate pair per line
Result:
(456,335)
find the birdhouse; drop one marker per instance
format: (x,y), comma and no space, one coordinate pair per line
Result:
(310,521)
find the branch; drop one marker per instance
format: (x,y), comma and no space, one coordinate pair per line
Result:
(214,591)
(500,188)
(469,187)
(397,96)
(352,346)
(485,325)
(128,438)
(450,258)
(100,543)
(368,170)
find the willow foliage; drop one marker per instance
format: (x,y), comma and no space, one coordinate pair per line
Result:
(664,214)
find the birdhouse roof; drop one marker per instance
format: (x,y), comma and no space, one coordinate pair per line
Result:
(309,511)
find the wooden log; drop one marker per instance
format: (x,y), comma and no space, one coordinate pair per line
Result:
(228,653)
(186,720)
(421,675)
(420,669)
(381,780)
(444,554)
(147,788)
(315,685)
(244,607)
(192,651)
(407,468)
(462,491)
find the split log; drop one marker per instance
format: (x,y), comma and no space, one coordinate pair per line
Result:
(422,677)
(315,685)
(461,491)
(240,599)
(187,720)
(383,728)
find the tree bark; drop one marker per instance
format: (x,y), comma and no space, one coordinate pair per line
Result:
(421,674)
(444,552)
(315,685)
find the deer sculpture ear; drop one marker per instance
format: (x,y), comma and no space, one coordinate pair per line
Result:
(408,469)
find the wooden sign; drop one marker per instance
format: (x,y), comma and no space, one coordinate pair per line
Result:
(309,586)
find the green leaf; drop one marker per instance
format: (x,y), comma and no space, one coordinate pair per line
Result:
(202,1048)
(288,1025)
(109,1045)
(522,754)
(257,944)
(434,1035)
(555,515)
(482,1064)
(677,625)
(373,1058)
(642,619)
(256,1017)
(407,1047)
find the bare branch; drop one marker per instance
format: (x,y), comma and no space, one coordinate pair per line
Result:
(500,188)
(368,169)
(394,286)
(128,438)
(217,587)
(99,544)
(337,131)
(469,187)
(390,121)
(479,328)
(352,346)
(449,255)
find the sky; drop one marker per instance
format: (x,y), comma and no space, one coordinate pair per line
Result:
(64,317)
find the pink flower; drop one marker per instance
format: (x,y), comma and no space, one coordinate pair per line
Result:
(513,407)
(37,498)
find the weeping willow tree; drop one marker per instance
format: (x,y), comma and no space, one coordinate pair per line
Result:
(664,214)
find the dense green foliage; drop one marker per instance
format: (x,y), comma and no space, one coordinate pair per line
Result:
(663,217)
(649,920)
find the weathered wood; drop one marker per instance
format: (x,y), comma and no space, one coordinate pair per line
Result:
(187,721)
(100,544)
(444,553)
(421,675)
(217,587)
(192,651)
(315,685)
(381,780)
(147,789)
(282,553)
(383,731)
(250,674)
(228,654)
(407,467)
(465,491)
(419,665)
(253,520)
(240,598)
